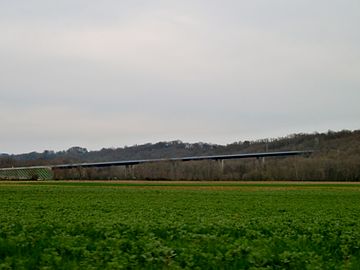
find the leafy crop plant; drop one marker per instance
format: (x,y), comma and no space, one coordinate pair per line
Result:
(72,225)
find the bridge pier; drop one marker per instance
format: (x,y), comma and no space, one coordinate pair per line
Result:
(130,171)
(221,165)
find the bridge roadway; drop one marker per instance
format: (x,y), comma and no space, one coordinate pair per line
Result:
(194,158)
(47,172)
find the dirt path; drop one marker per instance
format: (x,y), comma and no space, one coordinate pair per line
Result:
(212,182)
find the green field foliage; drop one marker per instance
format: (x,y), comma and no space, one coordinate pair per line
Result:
(67,225)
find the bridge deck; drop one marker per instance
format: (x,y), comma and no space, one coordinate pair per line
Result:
(142,161)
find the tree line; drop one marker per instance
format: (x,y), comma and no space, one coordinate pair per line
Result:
(336,158)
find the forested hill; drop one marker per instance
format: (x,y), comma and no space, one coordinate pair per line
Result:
(344,145)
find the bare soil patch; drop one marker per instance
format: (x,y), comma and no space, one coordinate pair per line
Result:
(184,182)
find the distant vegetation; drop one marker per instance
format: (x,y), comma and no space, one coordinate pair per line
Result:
(337,158)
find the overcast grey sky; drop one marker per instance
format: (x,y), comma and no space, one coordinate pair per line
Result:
(113,73)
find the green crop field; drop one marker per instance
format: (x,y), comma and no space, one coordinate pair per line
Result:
(94,225)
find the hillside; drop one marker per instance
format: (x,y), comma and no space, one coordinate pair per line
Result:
(337,157)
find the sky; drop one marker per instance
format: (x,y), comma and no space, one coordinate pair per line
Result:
(113,73)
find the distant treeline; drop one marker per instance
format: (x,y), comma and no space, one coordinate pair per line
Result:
(337,158)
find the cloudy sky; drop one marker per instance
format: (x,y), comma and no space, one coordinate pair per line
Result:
(113,73)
